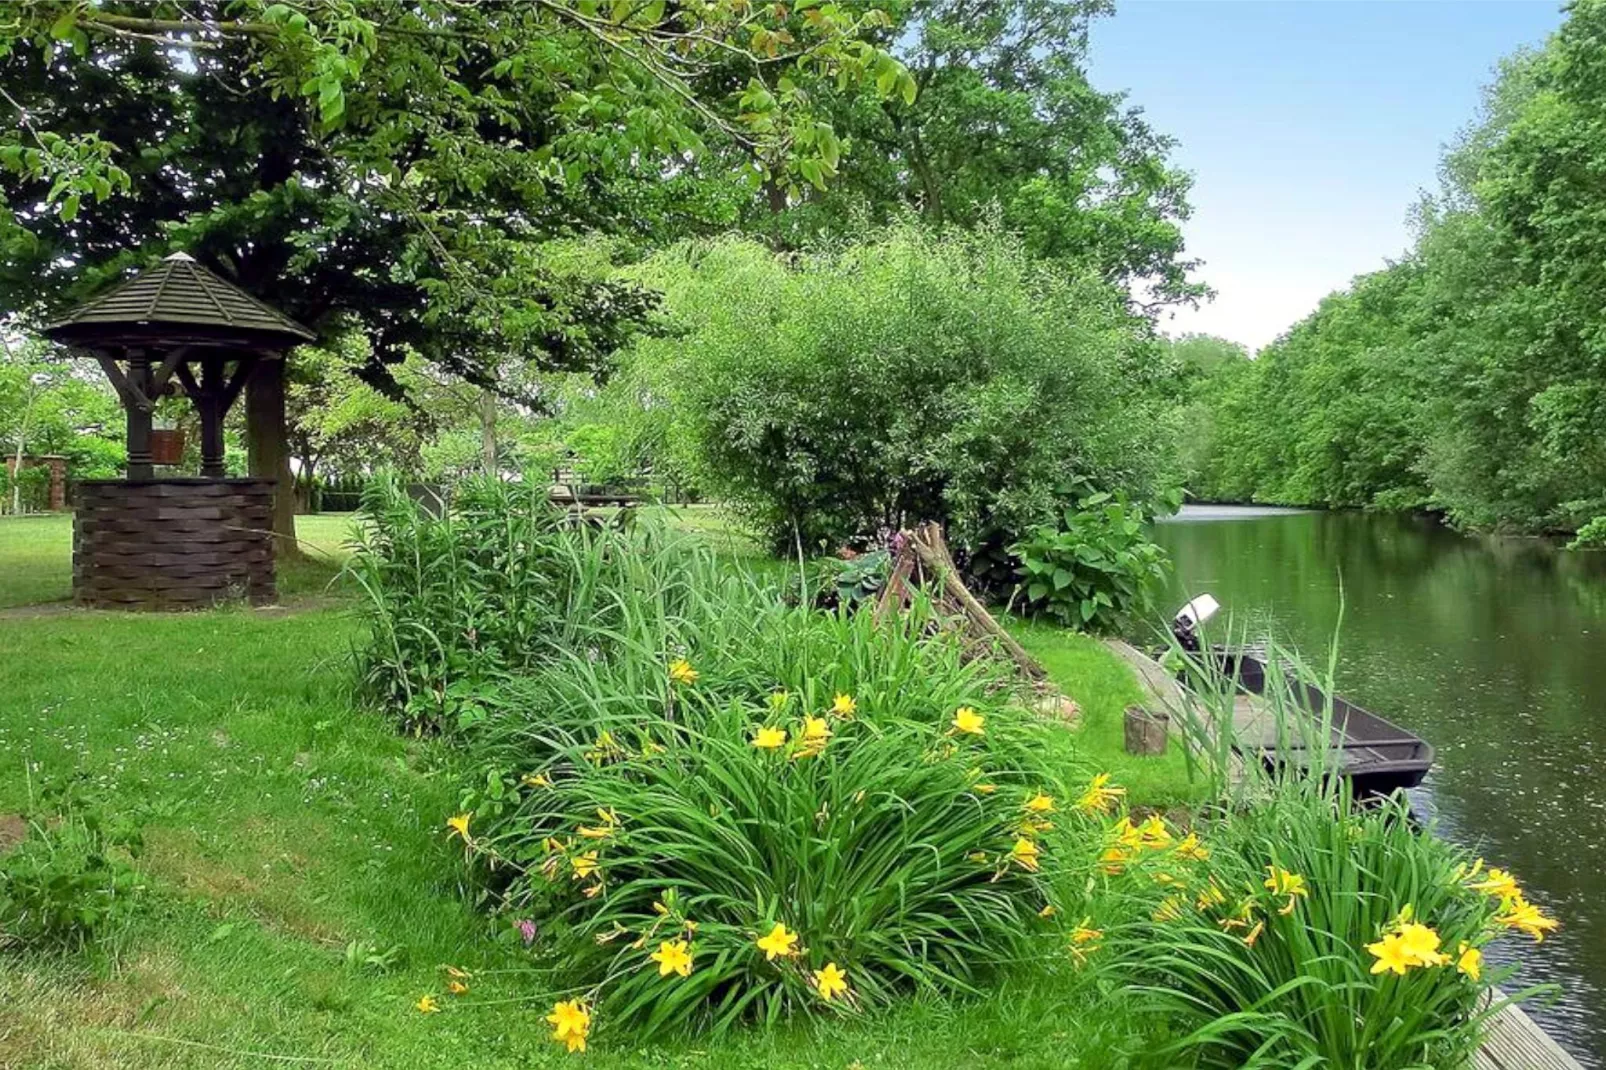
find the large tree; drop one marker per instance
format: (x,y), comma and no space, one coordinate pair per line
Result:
(1003,125)
(398,167)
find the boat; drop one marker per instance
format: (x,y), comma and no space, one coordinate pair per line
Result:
(1375,754)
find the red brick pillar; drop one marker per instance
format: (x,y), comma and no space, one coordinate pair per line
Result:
(58,483)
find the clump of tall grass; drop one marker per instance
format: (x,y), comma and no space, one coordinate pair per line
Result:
(716,804)
(453,600)
(1313,929)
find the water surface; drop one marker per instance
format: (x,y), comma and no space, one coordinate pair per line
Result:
(1494,650)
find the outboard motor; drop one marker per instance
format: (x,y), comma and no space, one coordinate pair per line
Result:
(1185,625)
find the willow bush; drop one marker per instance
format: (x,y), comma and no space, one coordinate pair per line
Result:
(835,393)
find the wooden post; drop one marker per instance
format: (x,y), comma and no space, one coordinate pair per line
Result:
(270,449)
(1146,730)
(209,402)
(141,465)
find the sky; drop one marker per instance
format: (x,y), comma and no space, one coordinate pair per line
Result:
(1310,127)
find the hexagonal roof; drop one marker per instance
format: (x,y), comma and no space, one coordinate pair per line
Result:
(177,301)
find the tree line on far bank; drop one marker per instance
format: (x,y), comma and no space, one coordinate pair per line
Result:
(1468,378)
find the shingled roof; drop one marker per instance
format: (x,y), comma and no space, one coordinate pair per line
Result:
(173,301)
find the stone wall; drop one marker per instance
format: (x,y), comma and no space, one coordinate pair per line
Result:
(173,543)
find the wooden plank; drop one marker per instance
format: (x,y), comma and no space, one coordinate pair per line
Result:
(1514,1041)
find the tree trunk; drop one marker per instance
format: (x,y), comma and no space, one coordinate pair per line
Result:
(268,443)
(488,430)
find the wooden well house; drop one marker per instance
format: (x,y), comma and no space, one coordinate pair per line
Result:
(175,542)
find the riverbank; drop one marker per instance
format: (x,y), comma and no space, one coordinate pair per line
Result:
(1488,649)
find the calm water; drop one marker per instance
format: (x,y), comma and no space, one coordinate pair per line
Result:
(1495,652)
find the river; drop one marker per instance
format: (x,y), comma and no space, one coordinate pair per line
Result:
(1494,650)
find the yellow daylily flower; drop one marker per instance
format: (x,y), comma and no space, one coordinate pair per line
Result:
(1469,960)
(673,956)
(584,865)
(1518,913)
(1152,834)
(1040,804)
(1391,955)
(770,738)
(1099,797)
(1499,883)
(459,825)
(779,943)
(427,1005)
(1048,911)
(816,734)
(681,672)
(968,721)
(1421,945)
(844,705)
(1280,881)
(1170,909)
(831,981)
(1190,848)
(1025,854)
(537,780)
(456,988)
(571,1023)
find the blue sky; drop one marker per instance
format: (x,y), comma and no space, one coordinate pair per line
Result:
(1310,127)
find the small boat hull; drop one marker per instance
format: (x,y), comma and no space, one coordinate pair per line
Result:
(1376,755)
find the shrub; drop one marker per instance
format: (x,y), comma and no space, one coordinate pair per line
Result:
(891,843)
(841,392)
(1271,950)
(1592,536)
(70,881)
(1095,570)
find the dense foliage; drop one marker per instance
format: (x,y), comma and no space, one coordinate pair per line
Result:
(1303,926)
(676,762)
(1007,128)
(1471,376)
(1094,569)
(835,394)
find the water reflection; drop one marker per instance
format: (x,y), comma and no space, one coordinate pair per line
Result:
(1494,650)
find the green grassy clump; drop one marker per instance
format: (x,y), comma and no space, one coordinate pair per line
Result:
(672,736)
(1306,927)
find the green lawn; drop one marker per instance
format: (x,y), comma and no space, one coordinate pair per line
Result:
(284,825)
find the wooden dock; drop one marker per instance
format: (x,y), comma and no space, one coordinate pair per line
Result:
(1512,1040)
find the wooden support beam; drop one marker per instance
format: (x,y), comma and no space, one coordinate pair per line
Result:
(174,360)
(209,400)
(241,376)
(127,392)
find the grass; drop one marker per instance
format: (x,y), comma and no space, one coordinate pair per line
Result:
(1082,667)
(284,825)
